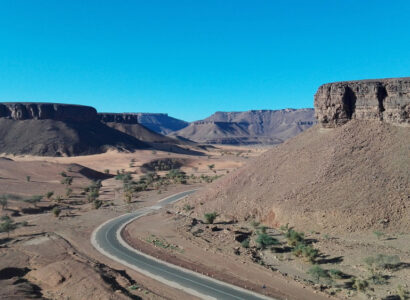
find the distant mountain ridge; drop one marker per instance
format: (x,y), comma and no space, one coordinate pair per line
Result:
(249,127)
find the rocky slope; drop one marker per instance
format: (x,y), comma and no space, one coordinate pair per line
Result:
(160,123)
(249,127)
(129,124)
(352,177)
(49,129)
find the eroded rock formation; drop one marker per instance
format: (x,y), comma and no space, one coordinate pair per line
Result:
(380,99)
(43,111)
(127,118)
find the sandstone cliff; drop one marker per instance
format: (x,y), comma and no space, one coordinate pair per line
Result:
(44,111)
(380,99)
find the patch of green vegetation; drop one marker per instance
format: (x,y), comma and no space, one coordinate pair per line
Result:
(264,240)
(162,243)
(210,217)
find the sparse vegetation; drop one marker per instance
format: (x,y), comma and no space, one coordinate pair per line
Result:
(3,201)
(317,272)
(68,192)
(402,293)
(188,207)
(97,204)
(210,217)
(305,251)
(49,195)
(28,178)
(245,243)
(264,240)
(34,199)
(359,284)
(107,171)
(7,225)
(56,211)
(68,180)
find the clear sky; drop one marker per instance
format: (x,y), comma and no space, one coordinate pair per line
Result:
(192,58)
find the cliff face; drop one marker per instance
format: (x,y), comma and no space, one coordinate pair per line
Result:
(381,99)
(44,111)
(126,118)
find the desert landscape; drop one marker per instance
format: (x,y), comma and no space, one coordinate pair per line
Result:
(215,150)
(306,219)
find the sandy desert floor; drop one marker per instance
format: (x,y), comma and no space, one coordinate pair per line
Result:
(52,257)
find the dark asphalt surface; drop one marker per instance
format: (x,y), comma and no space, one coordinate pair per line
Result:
(106,237)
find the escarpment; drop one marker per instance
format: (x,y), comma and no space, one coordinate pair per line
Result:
(126,118)
(45,111)
(380,99)
(50,129)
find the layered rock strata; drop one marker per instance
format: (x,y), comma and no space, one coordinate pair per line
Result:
(44,111)
(387,100)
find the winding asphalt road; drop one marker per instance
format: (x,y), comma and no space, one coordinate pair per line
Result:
(107,240)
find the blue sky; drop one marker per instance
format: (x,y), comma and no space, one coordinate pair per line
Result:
(192,58)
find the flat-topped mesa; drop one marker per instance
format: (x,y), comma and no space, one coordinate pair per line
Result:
(42,111)
(127,118)
(387,100)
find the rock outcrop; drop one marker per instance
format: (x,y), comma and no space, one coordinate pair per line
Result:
(44,111)
(380,99)
(126,118)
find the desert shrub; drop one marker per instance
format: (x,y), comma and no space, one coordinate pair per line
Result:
(335,274)
(97,204)
(306,251)
(317,272)
(3,201)
(188,207)
(263,229)
(254,224)
(63,174)
(293,237)
(245,243)
(107,171)
(7,225)
(49,195)
(28,178)
(360,285)
(210,217)
(67,180)
(59,198)
(382,262)
(264,240)
(34,199)
(68,192)
(56,211)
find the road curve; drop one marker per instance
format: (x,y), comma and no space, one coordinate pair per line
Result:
(107,240)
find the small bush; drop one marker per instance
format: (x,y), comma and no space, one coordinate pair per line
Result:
(360,285)
(402,293)
(28,178)
(97,204)
(56,211)
(49,195)
(306,251)
(107,171)
(293,237)
(188,207)
(210,217)
(335,274)
(245,243)
(264,240)
(318,272)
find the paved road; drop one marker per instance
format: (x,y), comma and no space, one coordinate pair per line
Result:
(107,240)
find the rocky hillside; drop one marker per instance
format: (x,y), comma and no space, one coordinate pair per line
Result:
(49,129)
(129,124)
(249,127)
(353,176)
(160,123)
